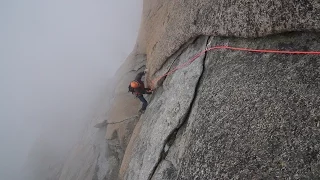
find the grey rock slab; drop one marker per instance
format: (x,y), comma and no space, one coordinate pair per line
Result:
(256,115)
(165,113)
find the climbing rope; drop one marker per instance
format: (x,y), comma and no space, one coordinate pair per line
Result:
(105,122)
(155,81)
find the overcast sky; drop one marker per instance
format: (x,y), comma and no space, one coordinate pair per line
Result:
(55,58)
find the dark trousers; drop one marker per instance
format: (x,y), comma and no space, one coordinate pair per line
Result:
(144,102)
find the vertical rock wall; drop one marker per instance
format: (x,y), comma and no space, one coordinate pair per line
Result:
(247,115)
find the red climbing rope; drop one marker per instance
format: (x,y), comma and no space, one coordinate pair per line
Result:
(231,48)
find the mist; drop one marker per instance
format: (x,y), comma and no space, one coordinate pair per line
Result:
(56,60)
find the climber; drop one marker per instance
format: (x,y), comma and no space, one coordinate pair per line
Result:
(137,88)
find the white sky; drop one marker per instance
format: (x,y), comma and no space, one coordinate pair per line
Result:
(55,58)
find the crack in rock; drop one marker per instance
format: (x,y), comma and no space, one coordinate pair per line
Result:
(172,136)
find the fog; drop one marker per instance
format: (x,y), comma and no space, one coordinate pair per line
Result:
(56,59)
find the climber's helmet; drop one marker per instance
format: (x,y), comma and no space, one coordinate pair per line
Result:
(135,84)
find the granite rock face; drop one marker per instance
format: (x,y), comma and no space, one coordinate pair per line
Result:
(248,115)
(167,24)
(165,114)
(235,115)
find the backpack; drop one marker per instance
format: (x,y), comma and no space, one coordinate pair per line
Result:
(130,89)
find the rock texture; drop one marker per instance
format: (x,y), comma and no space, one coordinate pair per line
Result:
(167,24)
(239,115)
(256,116)
(250,116)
